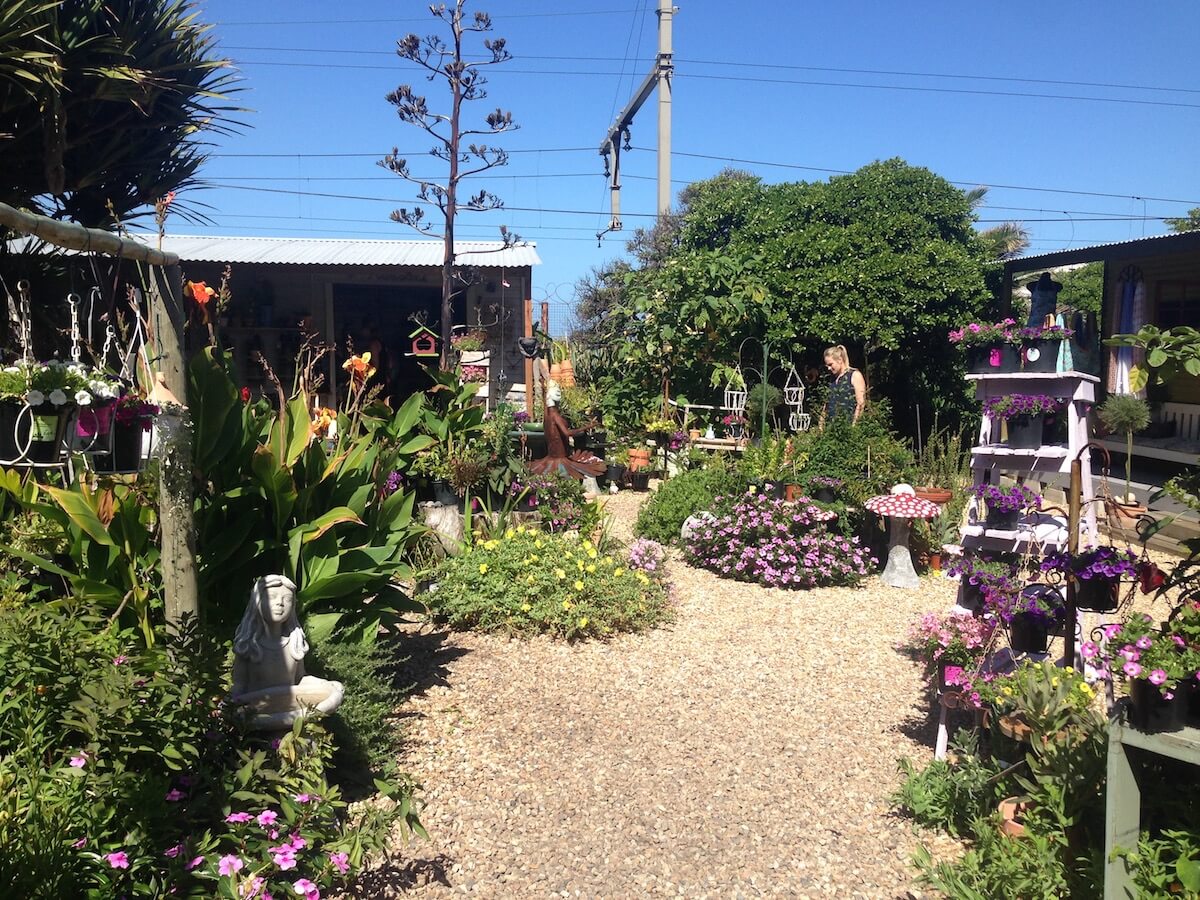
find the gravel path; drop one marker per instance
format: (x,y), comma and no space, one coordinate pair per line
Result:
(748,749)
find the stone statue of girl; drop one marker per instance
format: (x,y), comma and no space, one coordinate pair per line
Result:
(268,666)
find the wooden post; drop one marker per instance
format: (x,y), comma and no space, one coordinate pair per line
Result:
(175,469)
(529,362)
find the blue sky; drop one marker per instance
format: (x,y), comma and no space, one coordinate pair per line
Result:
(771,88)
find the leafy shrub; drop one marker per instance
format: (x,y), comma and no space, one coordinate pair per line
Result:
(764,540)
(663,515)
(867,456)
(119,772)
(525,582)
(365,728)
(950,797)
(760,395)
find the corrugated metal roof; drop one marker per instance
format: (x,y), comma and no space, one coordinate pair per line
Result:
(342,251)
(1158,243)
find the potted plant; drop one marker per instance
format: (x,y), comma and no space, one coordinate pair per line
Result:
(1040,346)
(978,574)
(1006,505)
(941,465)
(133,417)
(1024,416)
(990,349)
(470,345)
(1156,666)
(638,458)
(1097,572)
(948,641)
(825,488)
(734,425)
(1031,613)
(96,407)
(1126,414)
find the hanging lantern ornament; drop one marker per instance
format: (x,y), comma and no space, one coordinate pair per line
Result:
(735,392)
(793,389)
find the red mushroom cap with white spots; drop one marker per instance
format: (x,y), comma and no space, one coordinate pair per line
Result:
(902,506)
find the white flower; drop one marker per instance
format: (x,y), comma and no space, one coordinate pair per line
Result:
(57,397)
(12,370)
(83,398)
(35,398)
(102,390)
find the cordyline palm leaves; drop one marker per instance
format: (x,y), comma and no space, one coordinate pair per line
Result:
(105,102)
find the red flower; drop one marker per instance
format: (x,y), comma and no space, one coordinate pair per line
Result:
(245,395)
(201,292)
(1150,576)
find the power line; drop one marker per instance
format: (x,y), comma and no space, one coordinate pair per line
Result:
(426,19)
(753,65)
(381,154)
(807,83)
(1008,187)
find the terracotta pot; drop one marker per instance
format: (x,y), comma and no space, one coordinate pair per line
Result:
(695,434)
(1125,515)
(935,562)
(793,493)
(934,494)
(556,372)
(638,459)
(566,376)
(1015,728)
(1012,817)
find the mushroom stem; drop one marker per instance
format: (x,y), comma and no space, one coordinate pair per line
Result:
(899,571)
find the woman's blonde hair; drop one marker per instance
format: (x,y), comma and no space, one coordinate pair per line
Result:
(838,352)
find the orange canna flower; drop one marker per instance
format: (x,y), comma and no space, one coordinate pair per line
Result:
(201,292)
(360,368)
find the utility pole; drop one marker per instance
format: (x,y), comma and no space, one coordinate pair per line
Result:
(617,138)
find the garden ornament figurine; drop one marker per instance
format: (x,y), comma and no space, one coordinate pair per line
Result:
(1043,299)
(269,683)
(558,459)
(901,506)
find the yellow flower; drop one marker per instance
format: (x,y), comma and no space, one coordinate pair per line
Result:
(591,567)
(592,554)
(579,565)
(560,574)
(567,604)
(483,567)
(525,607)
(534,557)
(1006,691)
(538,543)
(619,572)
(608,561)
(579,585)
(583,622)
(587,545)
(1070,670)
(520,529)
(530,579)
(1053,682)
(1086,690)
(642,578)
(508,534)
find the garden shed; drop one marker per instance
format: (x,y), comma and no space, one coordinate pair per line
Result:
(363,291)
(1150,281)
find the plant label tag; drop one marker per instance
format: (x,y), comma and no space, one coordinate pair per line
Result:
(994,358)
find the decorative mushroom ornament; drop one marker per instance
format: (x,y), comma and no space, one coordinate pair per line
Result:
(901,506)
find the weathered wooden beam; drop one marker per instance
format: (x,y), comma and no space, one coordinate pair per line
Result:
(70,236)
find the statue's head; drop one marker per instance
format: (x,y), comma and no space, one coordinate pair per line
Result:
(275,596)
(272,603)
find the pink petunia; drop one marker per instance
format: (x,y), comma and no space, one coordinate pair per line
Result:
(118,860)
(340,861)
(1132,669)
(1179,642)
(1144,642)
(230,864)
(1158,676)
(1089,649)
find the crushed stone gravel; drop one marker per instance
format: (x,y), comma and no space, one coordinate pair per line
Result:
(748,749)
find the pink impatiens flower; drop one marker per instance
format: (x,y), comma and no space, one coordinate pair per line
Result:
(197,861)
(298,842)
(80,844)
(238,817)
(340,861)
(267,817)
(173,851)
(120,660)
(118,860)
(306,889)
(283,856)
(304,798)
(79,760)
(230,864)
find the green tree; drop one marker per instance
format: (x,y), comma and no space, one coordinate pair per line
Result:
(1190,222)
(464,80)
(885,260)
(1082,288)
(106,103)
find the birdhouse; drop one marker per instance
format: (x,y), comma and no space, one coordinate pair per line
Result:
(424,342)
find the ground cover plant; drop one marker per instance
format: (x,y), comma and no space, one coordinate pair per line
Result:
(663,515)
(525,581)
(120,774)
(769,542)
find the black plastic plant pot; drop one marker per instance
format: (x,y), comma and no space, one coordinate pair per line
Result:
(970,596)
(1042,356)
(998,359)
(1002,520)
(1151,712)
(1027,633)
(127,447)
(825,495)
(444,495)
(616,474)
(1025,432)
(1192,690)
(640,480)
(1098,594)
(778,490)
